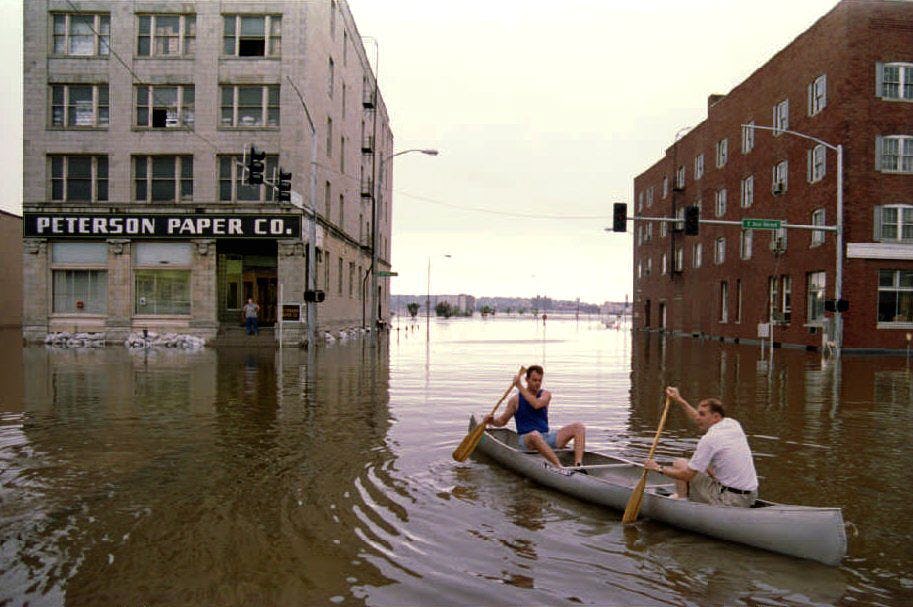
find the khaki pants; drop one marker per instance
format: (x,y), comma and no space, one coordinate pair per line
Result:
(708,490)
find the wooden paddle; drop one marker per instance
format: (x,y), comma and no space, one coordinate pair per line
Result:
(472,439)
(637,495)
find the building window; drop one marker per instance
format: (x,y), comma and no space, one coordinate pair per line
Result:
(162,292)
(895,154)
(818,220)
(329,136)
(680,177)
(817,95)
(79,105)
(665,187)
(724,301)
(160,107)
(745,244)
(79,178)
(895,80)
(80,291)
(679,259)
(640,202)
(333,19)
(696,252)
(326,271)
(721,202)
(748,137)
(780,178)
(640,270)
(351,280)
(649,266)
(648,232)
(781,116)
(778,241)
(252,35)
(342,211)
(650,192)
(163,178)
(343,99)
(895,296)
(166,35)
(664,264)
(786,309)
(815,285)
(82,34)
(339,277)
(679,224)
(747,197)
(722,153)
(331,77)
(719,251)
(250,106)
(233,188)
(698,166)
(773,297)
(738,300)
(894,222)
(817,163)
(342,155)
(663,229)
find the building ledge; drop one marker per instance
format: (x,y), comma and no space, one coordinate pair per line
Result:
(879,250)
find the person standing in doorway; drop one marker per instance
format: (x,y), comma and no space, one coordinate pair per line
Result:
(251,311)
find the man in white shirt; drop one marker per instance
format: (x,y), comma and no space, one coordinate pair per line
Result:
(721,472)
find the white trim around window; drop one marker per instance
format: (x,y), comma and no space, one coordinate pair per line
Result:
(747,197)
(817,163)
(817,95)
(781,116)
(249,106)
(894,81)
(79,106)
(894,223)
(748,137)
(894,154)
(722,152)
(818,219)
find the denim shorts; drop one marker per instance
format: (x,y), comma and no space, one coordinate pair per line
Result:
(550,437)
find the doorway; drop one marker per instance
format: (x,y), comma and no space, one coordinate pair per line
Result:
(247,270)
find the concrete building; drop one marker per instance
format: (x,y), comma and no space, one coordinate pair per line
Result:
(848,81)
(137,209)
(10,270)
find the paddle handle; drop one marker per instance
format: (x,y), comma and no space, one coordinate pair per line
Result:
(659,430)
(506,392)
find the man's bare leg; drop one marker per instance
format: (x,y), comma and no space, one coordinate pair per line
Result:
(535,441)
(573,432)
(681,487)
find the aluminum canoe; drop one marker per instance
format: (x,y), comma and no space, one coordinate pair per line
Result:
(806,532)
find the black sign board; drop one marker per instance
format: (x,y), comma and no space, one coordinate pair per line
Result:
(291,312)
(171,226)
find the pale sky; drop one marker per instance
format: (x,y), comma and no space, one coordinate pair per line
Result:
(543,112)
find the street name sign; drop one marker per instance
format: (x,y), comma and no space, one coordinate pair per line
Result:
(762,224)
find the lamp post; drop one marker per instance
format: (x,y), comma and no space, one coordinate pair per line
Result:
(378,198)
(838,278)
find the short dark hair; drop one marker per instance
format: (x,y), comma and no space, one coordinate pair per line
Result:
(714,405)
(534,369)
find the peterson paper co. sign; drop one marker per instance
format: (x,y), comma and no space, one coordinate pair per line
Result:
(73,225)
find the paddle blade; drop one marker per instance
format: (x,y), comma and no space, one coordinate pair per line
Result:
(468,445)
(637,496)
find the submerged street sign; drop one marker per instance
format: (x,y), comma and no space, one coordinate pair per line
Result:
(762,224)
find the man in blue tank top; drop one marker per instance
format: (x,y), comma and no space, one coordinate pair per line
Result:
(529,408)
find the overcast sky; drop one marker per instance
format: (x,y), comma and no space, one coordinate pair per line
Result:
(543,112)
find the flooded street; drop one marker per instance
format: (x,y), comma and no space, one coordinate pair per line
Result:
(233,477)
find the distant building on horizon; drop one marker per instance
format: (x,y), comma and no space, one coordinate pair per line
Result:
(847,80)
(10,270)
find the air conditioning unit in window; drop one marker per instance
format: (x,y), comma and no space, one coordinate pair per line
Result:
(779,188)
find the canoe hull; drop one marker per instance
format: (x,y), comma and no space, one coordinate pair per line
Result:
(806,532)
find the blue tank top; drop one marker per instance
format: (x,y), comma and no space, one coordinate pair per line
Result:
(529,418)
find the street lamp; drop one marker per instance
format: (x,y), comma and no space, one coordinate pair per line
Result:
(838,279)
(376,314)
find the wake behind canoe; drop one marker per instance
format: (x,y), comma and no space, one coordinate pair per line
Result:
(806,532)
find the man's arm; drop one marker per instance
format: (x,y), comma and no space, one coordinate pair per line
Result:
(670,471)
(674,395)
(536,402)
(502,419)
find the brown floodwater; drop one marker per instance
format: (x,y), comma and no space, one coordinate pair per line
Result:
(257,477)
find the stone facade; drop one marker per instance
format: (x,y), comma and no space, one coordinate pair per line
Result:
(316,50)
(727,298)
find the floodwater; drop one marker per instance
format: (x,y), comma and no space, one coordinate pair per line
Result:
(233,477)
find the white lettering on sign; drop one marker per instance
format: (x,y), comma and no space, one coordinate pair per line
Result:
(259,228)
(275,226)
(234,226)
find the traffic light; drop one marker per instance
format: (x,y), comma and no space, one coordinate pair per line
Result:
(692,220)
(620,217)
(284,186)
(256,161)
(314,296)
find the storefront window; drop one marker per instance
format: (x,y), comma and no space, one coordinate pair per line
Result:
(895,296)
(80,291)
(163,292)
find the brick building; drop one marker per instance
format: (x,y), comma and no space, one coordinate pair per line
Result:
(848,81)
(137,210)
(10,270)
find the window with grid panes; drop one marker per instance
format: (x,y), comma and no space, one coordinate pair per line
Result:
(249,106)
(252,35)
(163,178)
(747,197)
(166,35)
(232,187)
(896,80)
(79,178)
(895,153)
(165,106)
(895,296)
(82,34)
(79,105)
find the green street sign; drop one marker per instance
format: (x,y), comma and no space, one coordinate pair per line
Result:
(382,273)
(762,224)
